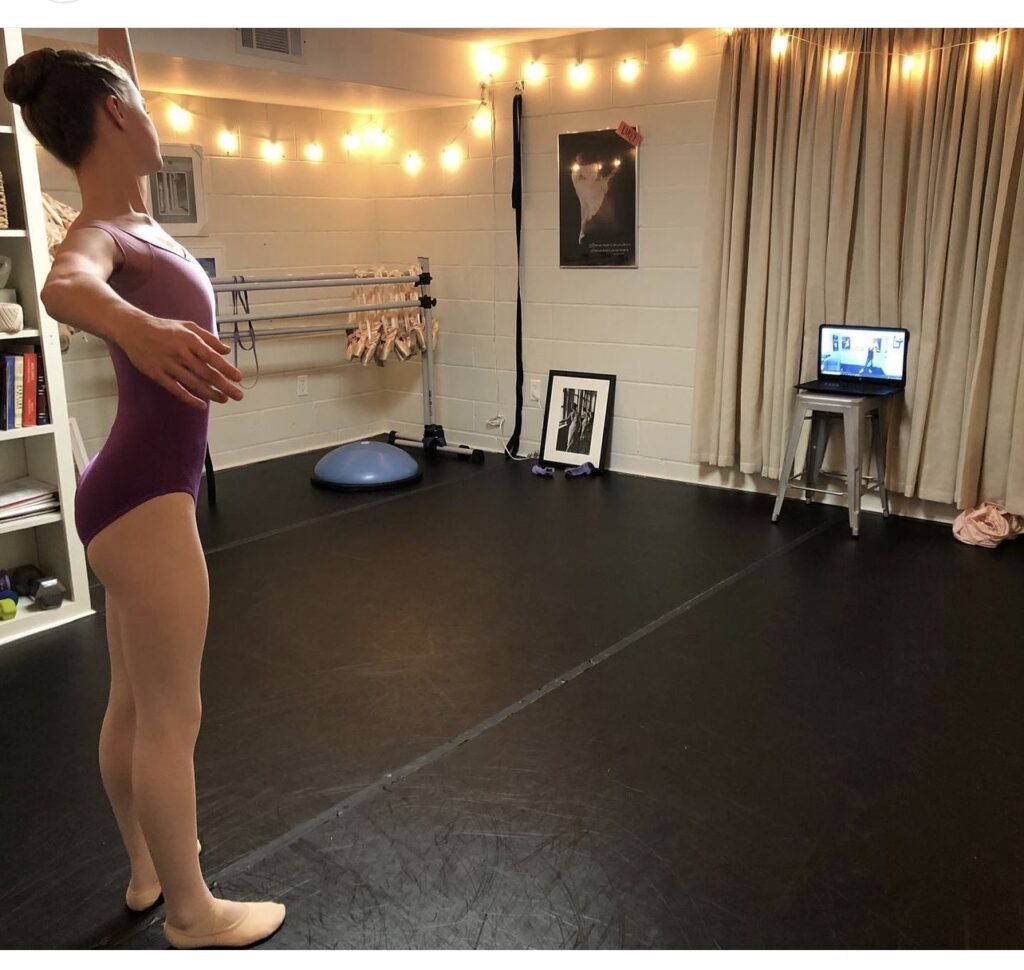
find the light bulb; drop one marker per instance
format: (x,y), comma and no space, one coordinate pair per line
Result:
(179,118)
(779,44)
(451,157)
(575,166)
(682,57)
(413,163)
(227,142)
(351,142)
(987,51)
(314,152)
(482,120)
(534,72)
(488,64)
(837,62)
(629,69)
(377,137)
(579,74)
(273,151)
(911,63)
(617,162)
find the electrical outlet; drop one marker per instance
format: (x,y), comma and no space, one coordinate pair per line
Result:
(303,385)
(534,390)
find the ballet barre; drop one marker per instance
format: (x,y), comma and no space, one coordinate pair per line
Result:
(433,441)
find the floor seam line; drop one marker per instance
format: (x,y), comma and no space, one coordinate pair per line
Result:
(281,530)
(382,784)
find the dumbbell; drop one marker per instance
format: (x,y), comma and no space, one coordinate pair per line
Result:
(47,592)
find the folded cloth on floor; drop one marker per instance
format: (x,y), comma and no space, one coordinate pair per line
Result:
(987,525)
(587,468)
(539,469)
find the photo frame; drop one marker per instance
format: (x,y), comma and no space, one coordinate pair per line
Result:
(178,191)
(577,419)
(597,200)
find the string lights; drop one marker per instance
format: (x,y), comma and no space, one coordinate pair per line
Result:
(680,56)
(227,142)
(178,118)
(488,64)
(482,119)
(272,151)
(987,51)
(579,74)
(534,72)
(451,157)
(779,44)
(412,163)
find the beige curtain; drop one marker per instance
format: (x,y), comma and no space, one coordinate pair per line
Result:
(880,196)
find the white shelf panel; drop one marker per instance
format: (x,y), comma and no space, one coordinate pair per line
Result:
(29,522)
(13,234)
(21,335)
(26,432)
(31,619)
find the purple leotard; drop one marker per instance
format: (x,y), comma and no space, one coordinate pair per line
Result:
(157,444)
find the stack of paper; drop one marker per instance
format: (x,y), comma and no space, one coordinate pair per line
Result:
(27,496)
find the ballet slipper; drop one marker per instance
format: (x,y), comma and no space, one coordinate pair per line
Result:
(259,922)
(403,346)
(388,343)
(417,331)
(351,345)
(371,346)
(139,900)
(435,329)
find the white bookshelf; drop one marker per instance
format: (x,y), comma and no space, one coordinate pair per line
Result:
(48,540)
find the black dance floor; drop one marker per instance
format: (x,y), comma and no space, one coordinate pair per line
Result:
(500,711)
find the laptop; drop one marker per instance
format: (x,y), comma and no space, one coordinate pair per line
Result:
(860,360)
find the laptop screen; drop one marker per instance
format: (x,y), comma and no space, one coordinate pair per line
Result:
(875,353)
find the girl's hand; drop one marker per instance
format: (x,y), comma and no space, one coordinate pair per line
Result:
(183,358)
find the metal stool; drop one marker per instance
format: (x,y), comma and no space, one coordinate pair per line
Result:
(823,408)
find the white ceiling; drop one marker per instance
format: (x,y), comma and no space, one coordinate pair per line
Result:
(497,36)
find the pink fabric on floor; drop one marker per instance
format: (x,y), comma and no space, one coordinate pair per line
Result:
(987,525)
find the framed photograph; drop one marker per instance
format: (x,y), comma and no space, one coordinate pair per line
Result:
(597,199)
(577,419)
(178,192)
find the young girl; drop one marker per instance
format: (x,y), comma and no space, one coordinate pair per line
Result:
(119,276)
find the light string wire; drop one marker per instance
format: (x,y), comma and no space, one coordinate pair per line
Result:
(877,53)
(646,57)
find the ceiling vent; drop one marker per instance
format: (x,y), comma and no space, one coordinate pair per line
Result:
(281,42)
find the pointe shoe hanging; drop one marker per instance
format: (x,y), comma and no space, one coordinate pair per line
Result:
(417,330)
(351,345)
(388,343)
(403,345)
(371,344)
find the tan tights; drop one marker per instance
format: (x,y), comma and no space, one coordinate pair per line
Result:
(152,566)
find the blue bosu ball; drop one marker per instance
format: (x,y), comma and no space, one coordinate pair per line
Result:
(365,465)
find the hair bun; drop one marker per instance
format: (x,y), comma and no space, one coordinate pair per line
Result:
(24,78)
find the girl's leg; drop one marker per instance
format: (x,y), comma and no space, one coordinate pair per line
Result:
(117,738)
(152,560)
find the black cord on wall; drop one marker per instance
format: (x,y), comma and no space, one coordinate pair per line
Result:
(512,448)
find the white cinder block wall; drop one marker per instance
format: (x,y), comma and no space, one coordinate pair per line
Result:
(639,324)
(287,217)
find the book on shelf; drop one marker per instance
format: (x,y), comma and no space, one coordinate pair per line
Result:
(27,496)
(24,402)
